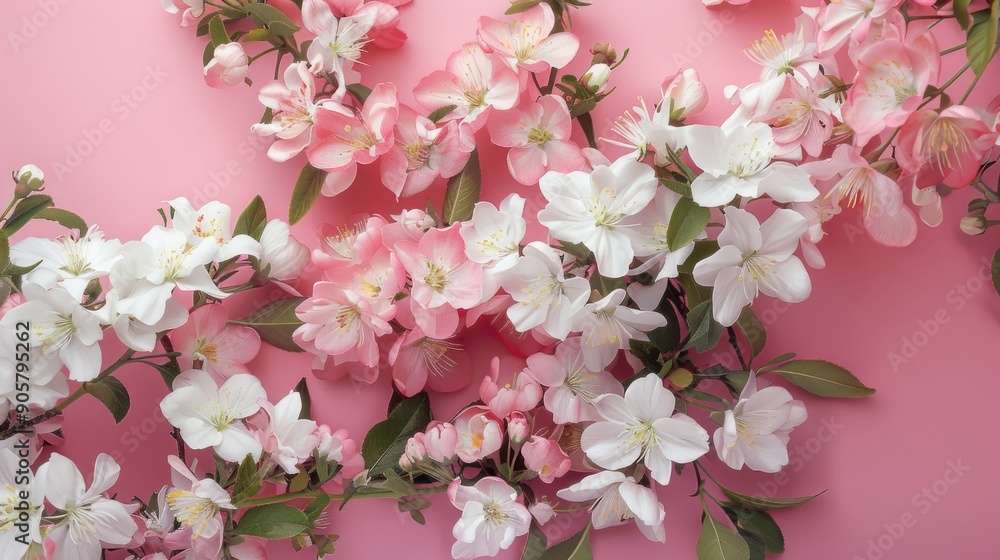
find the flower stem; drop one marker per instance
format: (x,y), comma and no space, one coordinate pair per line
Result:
(281,498)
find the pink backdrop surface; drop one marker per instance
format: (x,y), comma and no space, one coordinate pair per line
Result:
(107,97)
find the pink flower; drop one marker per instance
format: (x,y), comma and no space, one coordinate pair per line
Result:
(347,245)
(228,66)
(945,147)
(422,153)
(474,82)
(385,32)
(545,457)
(378,279)
(346,137)
(539,139)
(343,324)
(800,120)
(520,394)
(418,360)
(684,94)
(571,387)
(849,18)
(479,434)
(288,439)
(292,112)
(440,271)
(337,446)
(518,428)
(223,350)
(892,77)
(526,41)
(440,440)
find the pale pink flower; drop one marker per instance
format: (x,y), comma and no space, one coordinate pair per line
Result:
(293,111)
(337,446)
(841,20)
(474,82)
(520,393)
(944,147)
(347,137)
(546,458)
(790,57)
(892,77)
(572,388)
(350,244)
(607,326)
(479,434)
(339,42)
(228,67)
(539,139)
(684,95)
(385,32)
(440,440)
(287,439)
(440,271)
(525,40)
(224,350)
(800,119)
(492,517)
(193,9)
(419,360)
(343,324)
(422,152)
(518,428)
(197,504)
(379,278)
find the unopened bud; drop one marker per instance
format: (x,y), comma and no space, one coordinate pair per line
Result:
(597,77)
(518,428)
(29,178)
(603,53)
(973,225)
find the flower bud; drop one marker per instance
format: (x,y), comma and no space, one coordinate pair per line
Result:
(440,440)
(517,428)
(29,178)
(281,254)
(973,225)
(415,449)
(685,94)
(603,53)
(228,66)
(597,77)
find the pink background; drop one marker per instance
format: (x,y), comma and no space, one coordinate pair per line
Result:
(69,70)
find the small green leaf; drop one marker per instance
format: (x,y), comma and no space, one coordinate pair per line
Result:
(765,504)
(678,187)
(386,441)
(65,218)
(275,322)
(823,378)
(4,252)
(705,331)
(981,41)
(576,547)
(271,18)
(249,480)
(25,211)
(518,6)
(317,507)
(302,388)
(441,112)
(718,542)
(273,521)
(534,548)
(686,223)
(112,394)
(217,31)
(961,8)
(761,524)
(583,107)
(167,371)
(463,192)
(754,330)
(360,92)
(307,189)
(252,220)
(996,271)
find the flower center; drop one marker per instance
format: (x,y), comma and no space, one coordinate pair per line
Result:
(54,333)
(543,291)
(539,135)
(945,145)
(437,276)
(494,513)
(750,158)
(191,510)
(498,244)
(435,355)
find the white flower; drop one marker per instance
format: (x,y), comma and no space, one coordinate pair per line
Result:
(212,221)
(163,259)
(287,438)
(281,254)
(211,416)
(59,324)
(543,295)
(756,430)
(12,484)
(755,257)
(642,425)
(598,209)
(737,162)
(491,517)
(607,326)
(338,43)
(131,331)
(493,236)
(69,261)
(619,498)
(46,383)
(196,503)
(92,520)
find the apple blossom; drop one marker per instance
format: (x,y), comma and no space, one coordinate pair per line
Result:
(344,324)
(491,518)
(419,360)
(839,21)
(493,236)
(281,255)
(42,388)
(346,245)
(944,147)
(520,394)
(286,438)
(423,151)
(293,112)
(543,296)
(339,42)
(607,326)
(539,139)
(223,349)
(19,518)
(642,426)
(479,434)
(440,441)
(228,67)
(571,387)
(544,457)
(71,261)
(193,9)
(619,498)
(752,258)
(440,272)
(684,95)
(525,40)
(197,504)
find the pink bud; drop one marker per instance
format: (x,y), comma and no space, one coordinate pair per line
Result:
(415,448)
(546,458)
(520,394)
(688,94)
(440,440)
(228,66)
(518,428)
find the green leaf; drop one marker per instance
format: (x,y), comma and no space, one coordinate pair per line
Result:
(718,542)
(386,441)
(605,285)
(275,322)
(360,92)
(678,187)
(823,378)
(112,394)
(686,223)
(317,506)
(4,252)
(534,548)
(217,31)
(273,521)
(302,388)
(463,192)
(25,210)
(981,41)
(249,480)
(441,112)
(518,6)
(65,218)
(705,331)
(307,189)
(754,330)
(583,107)
(252,220)
(576,547)
(961,8)
(271,18)
(761,524)
(765,504)
(167,371)
(996,271)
